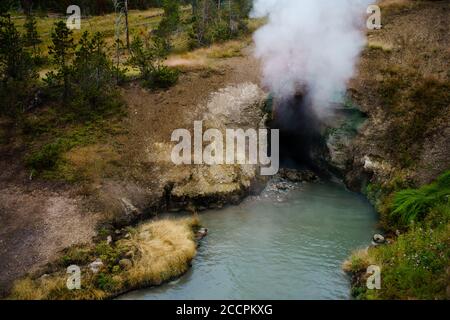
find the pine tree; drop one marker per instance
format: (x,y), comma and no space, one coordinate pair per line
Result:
(171,18)
(201,22)
(17,70)
(15,62)
(218,20)
(92,67)
(5,6)
(148,55)
(169,23)
(92,77)
(62,49)
(31,36)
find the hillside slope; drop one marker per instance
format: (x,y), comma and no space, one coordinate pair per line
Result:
(403,84)
(401,157)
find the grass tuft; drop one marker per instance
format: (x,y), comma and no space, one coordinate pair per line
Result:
(411,205)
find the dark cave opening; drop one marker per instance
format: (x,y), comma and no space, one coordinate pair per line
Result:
(302,144)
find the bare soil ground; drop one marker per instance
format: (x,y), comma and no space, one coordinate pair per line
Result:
(39,218)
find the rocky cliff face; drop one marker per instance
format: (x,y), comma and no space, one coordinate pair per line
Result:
(233,107)
(403,86)
(190,186)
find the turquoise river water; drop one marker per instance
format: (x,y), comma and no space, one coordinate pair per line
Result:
(283,245)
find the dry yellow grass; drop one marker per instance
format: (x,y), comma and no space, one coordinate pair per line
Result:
(380,45)
(206,57)
(392,6)
(163,249)
(53,287)
(28,289)
(395,3)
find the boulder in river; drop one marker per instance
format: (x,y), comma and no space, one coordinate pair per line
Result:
(378,239)
(295,175)
(201,233)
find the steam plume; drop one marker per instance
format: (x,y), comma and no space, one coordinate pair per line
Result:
(309,44)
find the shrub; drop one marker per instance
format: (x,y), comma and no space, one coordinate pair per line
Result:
(46,158)
(162,77)
(411,205)
(106,282)
(110,255)
(220,31)
(79,255)
(148,57)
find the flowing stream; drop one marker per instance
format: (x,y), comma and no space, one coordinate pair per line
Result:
(286,244)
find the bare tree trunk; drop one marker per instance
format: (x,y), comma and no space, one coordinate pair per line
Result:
(205,18)
(194,7)
(118,59)
(126,25)
(219,6)
(231,19)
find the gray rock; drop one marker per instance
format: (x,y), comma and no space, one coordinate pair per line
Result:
(201,233)
(378,239)
(44,276)
(96,265)
(128,207)
(298,175)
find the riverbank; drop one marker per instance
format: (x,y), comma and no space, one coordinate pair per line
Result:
(121,173)
(414,260)
(401,150)
(147,255)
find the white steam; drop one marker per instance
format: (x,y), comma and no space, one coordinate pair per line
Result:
(309,44)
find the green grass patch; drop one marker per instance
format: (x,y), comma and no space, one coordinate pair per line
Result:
(46,160)
(416,264)
(411,205)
